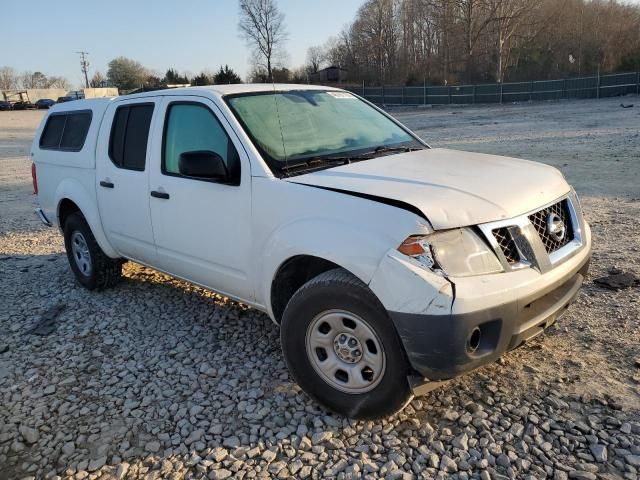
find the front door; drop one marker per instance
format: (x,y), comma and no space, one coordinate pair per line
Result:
(201,225)
(122,177)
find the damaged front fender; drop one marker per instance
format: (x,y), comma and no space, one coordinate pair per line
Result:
(408,290)
(403,286)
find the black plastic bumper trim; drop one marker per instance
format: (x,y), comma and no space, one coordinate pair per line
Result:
(436,345)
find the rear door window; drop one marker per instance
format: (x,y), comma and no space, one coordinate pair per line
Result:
(66,131)
(129,136)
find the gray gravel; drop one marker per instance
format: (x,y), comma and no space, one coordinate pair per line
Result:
(160,379)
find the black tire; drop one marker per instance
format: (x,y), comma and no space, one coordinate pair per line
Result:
(340,290)
(105,271)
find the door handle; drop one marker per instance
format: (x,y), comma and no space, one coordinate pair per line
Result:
(157,194)
(106,184)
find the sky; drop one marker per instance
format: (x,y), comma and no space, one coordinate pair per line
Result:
(189,35)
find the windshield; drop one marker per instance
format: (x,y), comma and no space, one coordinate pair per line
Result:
(291,127)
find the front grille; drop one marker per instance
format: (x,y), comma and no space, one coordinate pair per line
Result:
(506,243)
(539,222)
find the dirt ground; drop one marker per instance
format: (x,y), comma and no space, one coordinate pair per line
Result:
(579,383)
(596,144)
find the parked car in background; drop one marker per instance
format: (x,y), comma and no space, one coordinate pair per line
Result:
(65,99)
(23,105)
(44,103)
(389,266)
(5,105)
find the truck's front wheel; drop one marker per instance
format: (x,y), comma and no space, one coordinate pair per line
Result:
(90,265)
(342,349)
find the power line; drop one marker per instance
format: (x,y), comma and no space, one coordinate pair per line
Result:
(84,64)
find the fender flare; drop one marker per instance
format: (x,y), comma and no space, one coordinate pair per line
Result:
(73,190)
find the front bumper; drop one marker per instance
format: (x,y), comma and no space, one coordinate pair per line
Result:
(441,347)
(449,326)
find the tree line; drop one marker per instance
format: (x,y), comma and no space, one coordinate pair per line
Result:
(123,73)
(469,41)
(10,79)
(436,42)
(127,74)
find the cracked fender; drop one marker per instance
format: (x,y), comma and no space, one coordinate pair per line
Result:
(405,287)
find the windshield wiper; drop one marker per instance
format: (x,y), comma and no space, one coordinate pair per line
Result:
(324,161)
(320,161)
(384,148)
(315,163)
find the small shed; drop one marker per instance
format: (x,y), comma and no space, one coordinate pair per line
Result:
(330,74)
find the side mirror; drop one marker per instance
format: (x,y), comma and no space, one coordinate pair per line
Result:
(203,164)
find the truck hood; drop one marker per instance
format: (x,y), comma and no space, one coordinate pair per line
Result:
(451,188)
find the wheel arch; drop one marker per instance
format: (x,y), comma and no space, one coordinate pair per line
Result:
(291,275)
(66,207)
(313,246)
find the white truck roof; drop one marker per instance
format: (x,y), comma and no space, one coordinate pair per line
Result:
(100,104)
(231,89)
(94,104)
(260,87)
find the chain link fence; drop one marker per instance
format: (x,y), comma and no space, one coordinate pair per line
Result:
(598,86)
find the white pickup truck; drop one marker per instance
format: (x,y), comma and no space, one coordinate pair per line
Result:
(390,266)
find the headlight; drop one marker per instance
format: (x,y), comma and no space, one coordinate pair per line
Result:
(458,252)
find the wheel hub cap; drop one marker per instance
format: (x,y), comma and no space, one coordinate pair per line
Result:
(81,255)
(345,351)
(347,348)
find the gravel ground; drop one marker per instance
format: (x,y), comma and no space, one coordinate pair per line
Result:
(160,379)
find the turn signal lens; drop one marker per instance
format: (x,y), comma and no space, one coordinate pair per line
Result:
(412,247)
(417,247)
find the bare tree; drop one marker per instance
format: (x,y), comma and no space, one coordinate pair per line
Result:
(338,51)
(98,80)
(376,37)
(315,57)
(34,80)
(8,78)
(58,82)
(262,25)
(421,35)
(439,41)
(445,16)
(476,16)
(508,16)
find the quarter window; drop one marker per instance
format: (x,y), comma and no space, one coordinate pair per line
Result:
(66,131)
(129,136)
(193,127)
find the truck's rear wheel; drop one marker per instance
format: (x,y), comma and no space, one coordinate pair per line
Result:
(342,349)
(90,265)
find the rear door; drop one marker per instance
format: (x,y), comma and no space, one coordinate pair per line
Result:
(122,176)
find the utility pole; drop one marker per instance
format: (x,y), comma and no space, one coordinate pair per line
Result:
(84,64)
